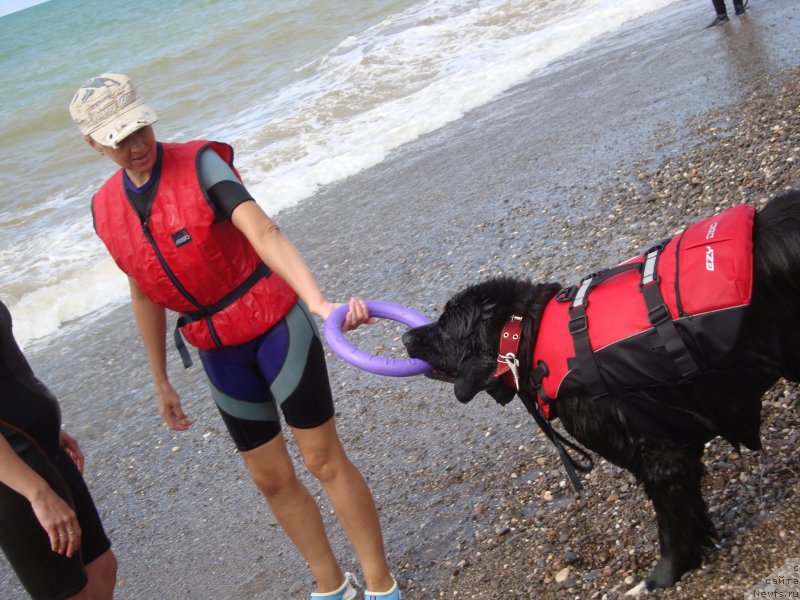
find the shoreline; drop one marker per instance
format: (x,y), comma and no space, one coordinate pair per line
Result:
(544,182)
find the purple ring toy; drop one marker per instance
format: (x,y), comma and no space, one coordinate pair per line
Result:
(392,367)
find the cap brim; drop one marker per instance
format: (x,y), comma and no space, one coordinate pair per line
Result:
(124,124)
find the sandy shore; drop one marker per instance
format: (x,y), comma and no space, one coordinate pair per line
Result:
(576,169)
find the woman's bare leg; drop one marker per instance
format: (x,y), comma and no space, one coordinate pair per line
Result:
(271,468)
(102,575)
(326,460)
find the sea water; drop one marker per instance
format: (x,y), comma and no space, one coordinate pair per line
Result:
(307,91)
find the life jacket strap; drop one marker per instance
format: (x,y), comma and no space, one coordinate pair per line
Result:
(180,345)
(577,293)
(240,290)
(206,312)
(584,356)
(660,318)
(571,465)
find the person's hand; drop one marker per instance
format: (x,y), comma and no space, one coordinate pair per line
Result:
(169,407)
(72,449)
(357,313)
(58,520)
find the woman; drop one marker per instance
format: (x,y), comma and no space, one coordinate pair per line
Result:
(178,221)
(50,531)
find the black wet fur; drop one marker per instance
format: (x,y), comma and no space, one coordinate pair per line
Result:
(657,434)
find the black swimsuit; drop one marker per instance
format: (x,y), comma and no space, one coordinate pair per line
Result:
(30,420)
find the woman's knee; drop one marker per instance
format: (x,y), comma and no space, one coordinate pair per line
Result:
(273,481)
(323,454)
(325,465)
(272,472)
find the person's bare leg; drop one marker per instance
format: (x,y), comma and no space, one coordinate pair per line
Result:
(102,574)
(271,468)
(326,460)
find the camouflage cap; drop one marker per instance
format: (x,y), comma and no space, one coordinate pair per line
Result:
(108,108)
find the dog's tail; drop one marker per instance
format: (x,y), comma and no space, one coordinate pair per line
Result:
(776,281)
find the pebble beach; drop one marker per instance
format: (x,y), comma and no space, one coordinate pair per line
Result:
(654,127)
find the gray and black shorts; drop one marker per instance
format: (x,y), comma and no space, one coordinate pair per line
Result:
(282,368)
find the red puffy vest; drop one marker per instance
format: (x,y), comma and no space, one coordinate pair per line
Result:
(659,318)
(185,260)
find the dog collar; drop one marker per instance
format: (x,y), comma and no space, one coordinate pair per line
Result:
(507,361)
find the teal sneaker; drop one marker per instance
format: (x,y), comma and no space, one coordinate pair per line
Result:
(392,594)
(345,592)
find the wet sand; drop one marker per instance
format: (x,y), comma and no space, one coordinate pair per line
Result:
(576,169)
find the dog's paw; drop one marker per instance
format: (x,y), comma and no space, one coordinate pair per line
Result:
(637,590)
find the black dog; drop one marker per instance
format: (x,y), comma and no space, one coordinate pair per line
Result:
(657,433)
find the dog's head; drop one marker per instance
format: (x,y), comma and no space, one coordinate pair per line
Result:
(463,343)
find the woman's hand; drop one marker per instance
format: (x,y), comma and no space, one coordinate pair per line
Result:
(72,449)
(169,407)
(58,520)
(55,516)
(357,314)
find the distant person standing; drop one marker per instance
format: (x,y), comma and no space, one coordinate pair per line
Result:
(50,531)
(722,13)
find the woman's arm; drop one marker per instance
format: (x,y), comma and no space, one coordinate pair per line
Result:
(278,252)
(152,322)
(56,516)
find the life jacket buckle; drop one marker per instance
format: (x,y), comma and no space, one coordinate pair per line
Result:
(578,324)
(566,294)
(658,315)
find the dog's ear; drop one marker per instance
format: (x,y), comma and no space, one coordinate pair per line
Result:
(500,392)
(471,378)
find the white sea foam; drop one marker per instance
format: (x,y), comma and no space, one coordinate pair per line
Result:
(44,310)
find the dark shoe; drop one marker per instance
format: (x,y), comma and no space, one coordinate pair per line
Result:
(739,9)
(718,21)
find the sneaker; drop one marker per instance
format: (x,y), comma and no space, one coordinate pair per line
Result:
(739,8)
(718,21)
(392,594)
(345,592)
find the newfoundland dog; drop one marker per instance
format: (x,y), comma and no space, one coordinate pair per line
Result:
(647,361)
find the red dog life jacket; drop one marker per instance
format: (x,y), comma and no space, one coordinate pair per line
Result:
(185,259)
(659,318)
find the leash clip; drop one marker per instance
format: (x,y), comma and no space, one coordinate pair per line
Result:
(512,362)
